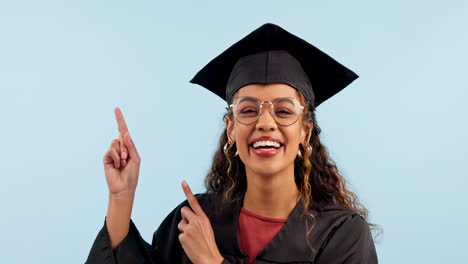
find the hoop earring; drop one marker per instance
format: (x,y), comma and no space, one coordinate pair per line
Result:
(225,149)
(299,153)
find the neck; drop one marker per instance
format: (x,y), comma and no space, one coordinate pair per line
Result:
(272,196)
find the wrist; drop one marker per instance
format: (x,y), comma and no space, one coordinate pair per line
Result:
(218,260)
(120,205)
(122,196)
(213,260)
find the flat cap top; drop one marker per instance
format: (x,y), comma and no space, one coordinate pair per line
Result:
(327,76)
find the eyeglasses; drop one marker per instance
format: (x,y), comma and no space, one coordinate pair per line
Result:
(285,110)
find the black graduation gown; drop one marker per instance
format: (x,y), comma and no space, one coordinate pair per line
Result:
(339,236)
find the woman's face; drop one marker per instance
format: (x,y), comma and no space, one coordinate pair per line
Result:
(259,160)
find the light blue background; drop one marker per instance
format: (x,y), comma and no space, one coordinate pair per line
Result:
(398,133)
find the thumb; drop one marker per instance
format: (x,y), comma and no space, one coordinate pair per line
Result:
(128,142)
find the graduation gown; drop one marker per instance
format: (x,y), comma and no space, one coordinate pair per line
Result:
(339,236)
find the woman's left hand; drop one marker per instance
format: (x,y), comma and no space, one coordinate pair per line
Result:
(197,237)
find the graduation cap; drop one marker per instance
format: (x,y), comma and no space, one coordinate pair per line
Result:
(271,54)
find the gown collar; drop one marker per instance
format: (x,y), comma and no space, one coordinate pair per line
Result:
(288,245)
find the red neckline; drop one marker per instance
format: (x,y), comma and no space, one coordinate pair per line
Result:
(264,218)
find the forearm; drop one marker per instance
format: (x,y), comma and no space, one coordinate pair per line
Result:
(118,218)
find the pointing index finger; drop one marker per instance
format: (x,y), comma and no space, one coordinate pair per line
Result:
(120,120)
(192,199)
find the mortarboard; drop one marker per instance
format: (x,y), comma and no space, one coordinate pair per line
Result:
(271,54)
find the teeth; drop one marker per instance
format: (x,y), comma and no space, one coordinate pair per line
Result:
(266,144)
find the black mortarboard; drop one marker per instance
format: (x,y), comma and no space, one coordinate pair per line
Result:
(270,54)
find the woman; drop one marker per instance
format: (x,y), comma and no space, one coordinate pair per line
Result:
(273,195)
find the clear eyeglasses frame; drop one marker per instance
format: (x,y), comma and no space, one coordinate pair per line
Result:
(285,110)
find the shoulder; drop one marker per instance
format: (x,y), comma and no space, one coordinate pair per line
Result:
(348,236)
(333,217)
(339,216)
(352,227)
(350,224)
(337,223)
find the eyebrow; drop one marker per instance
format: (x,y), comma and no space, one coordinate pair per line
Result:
(254,99)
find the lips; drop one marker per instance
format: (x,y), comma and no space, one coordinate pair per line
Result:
(266,144)
(265,138)
(266,152)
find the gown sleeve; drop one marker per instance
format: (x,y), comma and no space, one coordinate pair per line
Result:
(164,249)
(351,243)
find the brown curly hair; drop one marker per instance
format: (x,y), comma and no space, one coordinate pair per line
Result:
(316,175)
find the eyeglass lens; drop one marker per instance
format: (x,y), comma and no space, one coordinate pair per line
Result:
(285,110)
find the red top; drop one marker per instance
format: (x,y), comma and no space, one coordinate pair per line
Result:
(256,231)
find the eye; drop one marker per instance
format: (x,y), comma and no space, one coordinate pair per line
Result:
(283,112)
(248,111)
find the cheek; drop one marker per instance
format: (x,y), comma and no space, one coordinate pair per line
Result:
(293,139)
(293,136)
(241,136)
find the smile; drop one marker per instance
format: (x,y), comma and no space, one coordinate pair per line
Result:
(266,151)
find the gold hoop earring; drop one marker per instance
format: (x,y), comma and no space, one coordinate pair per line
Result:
(299,153)
(225,149)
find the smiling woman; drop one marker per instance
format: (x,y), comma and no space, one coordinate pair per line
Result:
(273,194)
(254,139)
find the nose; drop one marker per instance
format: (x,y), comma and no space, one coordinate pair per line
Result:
(266,121)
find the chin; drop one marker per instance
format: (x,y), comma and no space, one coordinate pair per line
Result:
(266,168)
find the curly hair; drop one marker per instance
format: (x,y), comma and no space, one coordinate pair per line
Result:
(316,175)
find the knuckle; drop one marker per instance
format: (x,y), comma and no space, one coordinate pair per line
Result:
(115,146)
(107,155)
(113,153)
(195,220)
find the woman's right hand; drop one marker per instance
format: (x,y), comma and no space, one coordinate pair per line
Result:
(122,162)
